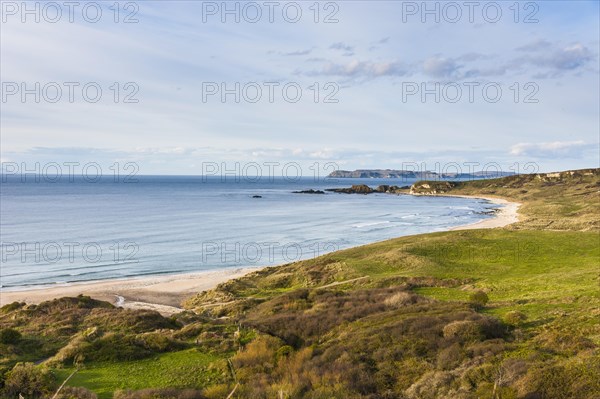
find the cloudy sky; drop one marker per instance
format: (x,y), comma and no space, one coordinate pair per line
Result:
(361,84)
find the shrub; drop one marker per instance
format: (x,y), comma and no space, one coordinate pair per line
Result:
(165,393)
(464,330)
(479,298)
(111,347)
(218,391)
(259,354)
(158,342)
(431,385)
(9,336)
(562,341)
(449,358)
(76,393)
(491,327)
(12,306)
(515,317)
(28,380)
(284,351)
(115,347)
(400,299)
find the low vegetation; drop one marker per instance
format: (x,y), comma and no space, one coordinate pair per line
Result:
(501,313)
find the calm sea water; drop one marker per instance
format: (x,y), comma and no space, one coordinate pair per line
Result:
(53,233)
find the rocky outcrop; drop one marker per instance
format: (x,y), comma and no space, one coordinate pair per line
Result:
(384,188)
(364,189)
(432,187)
(355,189)
(311,191)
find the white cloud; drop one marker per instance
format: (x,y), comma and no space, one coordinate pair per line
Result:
(368,69)
(536,45)
(566,58)
(440,67)
(564,149)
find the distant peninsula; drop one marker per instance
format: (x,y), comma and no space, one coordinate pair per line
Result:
(409,174)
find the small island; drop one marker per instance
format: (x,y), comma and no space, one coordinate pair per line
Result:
(419,175)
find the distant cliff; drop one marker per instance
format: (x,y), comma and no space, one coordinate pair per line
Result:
(408,174)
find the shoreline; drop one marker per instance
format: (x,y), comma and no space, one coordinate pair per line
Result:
(508,214)
(161,293)
(165,293)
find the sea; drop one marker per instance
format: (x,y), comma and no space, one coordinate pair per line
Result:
(75,230)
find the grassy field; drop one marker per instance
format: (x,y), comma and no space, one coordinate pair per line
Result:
(184,369)
(548,275)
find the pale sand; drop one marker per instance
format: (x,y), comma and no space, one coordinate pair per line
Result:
(161,293)
(165,293)
(508,214)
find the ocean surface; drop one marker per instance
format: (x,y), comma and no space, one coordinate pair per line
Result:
(62,232)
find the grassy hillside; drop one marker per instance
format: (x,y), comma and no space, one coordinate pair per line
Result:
(501,313)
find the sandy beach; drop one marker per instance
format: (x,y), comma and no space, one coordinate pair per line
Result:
(508,214)
(165,293)
(161,293)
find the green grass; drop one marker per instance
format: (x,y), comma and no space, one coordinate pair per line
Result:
(545,274)
(541,273)
(184,369)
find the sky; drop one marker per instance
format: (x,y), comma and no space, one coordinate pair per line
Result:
(184,87)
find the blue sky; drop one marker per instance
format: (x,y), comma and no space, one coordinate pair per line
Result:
(368,61)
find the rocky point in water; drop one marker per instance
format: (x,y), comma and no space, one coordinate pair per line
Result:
(364,189)
(311,191)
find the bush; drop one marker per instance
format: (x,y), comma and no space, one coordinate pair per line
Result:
(28,380)
(400,299)
(166,393)
(515,317)
(111,347)
(9,336)
(284,351)
(449,358)
(158,342)
(463,330)
(431,385)
(76,393)
(12,306)
(258,355)
(218,391)
(577,378)
(479,298)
